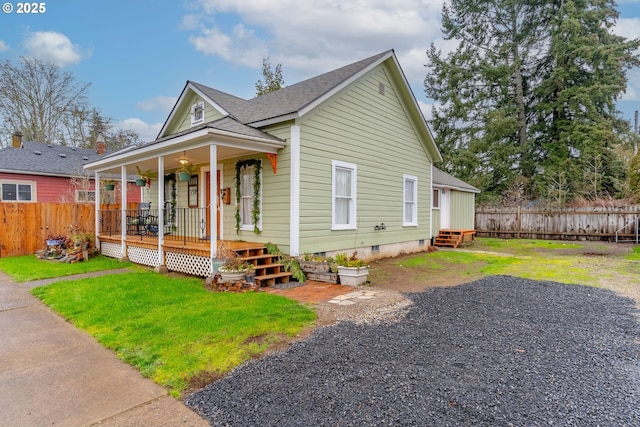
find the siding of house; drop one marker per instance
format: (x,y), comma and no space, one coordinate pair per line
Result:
(47,189)
(435,218)
(462,210)
(182,118)
(370,129)
(275,197)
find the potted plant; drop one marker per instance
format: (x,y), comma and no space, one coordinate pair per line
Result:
(351,270)
(186,170)
(233,268)
(144,177)
(109,184)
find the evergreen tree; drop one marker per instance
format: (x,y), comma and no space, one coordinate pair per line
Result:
(482,124)
(529,96)
(584,73)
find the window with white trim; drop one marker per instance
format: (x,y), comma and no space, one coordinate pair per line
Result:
(197,113)
(343,192)
(247,197)
(85,196)
(435,202)
(410,200)
(18,191)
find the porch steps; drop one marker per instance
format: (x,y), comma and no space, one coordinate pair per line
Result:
(454,238)
(268,270)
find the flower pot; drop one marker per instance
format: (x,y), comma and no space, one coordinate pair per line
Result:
(231,276)
(141,182)
(353,276)
(109,187)
(184,176)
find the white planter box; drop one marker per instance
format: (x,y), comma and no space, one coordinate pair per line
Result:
(353,276)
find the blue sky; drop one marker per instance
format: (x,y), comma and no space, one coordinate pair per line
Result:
(138,54)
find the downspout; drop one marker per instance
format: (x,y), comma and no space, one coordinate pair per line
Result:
(294,194)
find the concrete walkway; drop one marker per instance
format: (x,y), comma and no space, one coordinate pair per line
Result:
(54,374)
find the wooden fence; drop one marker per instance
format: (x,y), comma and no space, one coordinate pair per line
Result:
(575,224)
(25,226)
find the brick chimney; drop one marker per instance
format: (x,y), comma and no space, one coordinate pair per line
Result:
(17,140)
(101,146)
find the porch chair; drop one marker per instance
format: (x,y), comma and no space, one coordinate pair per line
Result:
(143,222)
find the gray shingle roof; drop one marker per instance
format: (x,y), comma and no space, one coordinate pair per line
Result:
(43,159)
(443,179)
(289,99)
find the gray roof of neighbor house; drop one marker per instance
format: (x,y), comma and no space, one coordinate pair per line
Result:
(443,179)
(289,99)
(37,158)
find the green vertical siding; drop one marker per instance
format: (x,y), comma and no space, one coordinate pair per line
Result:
(462,210)
(370,129)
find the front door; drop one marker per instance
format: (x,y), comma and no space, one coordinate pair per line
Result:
(208,205)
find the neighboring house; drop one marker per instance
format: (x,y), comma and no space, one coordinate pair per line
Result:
(453,203)
(341,162)
(33,172)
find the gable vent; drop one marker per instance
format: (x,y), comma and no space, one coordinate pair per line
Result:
(63,155)
(38,152)
(381,88)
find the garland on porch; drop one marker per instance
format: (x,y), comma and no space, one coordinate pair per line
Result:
(255,211)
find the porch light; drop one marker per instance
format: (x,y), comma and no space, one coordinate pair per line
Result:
(183,160)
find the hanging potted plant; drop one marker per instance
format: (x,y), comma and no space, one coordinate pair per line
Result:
(109,184)
(186,170)
(144,177)
(351,270)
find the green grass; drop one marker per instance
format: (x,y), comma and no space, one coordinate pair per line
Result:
(509,258)
(173,330)
(28,267)
(522,246)
(635,254)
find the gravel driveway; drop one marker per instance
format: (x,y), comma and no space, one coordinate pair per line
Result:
(499,351)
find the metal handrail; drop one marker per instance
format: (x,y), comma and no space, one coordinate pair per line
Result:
(635,223)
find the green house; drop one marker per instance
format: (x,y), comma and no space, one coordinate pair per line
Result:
(341,162)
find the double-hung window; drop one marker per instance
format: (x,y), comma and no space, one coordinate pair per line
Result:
(247,198)
(15,191)
(343,212)
(410,201)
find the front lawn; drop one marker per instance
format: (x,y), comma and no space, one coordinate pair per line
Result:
(27,267)
(172,329)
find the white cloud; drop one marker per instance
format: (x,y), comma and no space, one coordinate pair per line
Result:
(52,47)
(147,132)
(161,103)
(3,46)
(426,109)
(318,35)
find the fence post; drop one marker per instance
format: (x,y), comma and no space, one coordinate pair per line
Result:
(518,222)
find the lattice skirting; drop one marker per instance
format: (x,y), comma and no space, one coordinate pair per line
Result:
(143,256)
(113,250)
(188,264)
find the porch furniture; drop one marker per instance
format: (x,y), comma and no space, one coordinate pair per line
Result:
(142,222)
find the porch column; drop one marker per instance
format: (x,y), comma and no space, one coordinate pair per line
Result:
(97,207)
(161,213)
(213,208)
(294,197)
(123,211)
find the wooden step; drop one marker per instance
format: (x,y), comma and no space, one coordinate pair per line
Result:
(272,279)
